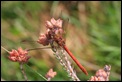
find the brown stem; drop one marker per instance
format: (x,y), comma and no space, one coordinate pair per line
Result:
(23,72)
(38,48)
(5,49)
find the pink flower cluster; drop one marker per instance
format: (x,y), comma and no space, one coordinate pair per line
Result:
(53,33)
(102,74)
(50,74)
(19,55)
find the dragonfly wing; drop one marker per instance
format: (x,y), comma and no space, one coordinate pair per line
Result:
(65,27)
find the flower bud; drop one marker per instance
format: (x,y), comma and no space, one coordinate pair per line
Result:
(19,55)
(49,24)
(43,40)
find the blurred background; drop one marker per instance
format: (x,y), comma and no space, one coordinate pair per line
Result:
(92,35)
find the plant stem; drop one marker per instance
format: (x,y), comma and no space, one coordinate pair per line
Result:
(61,55)
(38,48)
(38,73)
(23,72)
(5,49)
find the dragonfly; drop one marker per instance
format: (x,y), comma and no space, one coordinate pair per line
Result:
(54,36)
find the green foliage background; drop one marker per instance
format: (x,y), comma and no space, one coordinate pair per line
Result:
(92,35)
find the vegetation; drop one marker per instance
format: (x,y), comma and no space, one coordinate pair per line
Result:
(92,35)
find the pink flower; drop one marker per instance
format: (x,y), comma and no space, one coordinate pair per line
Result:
(93,78)
(107,68)
(43,39)
(54,23)
(102,74)
(59,23)
(50,74)
(59,32)
(54,32)
(19,55)
(13,55)
(49,25)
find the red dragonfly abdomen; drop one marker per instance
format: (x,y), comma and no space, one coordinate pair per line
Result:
(75,60)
